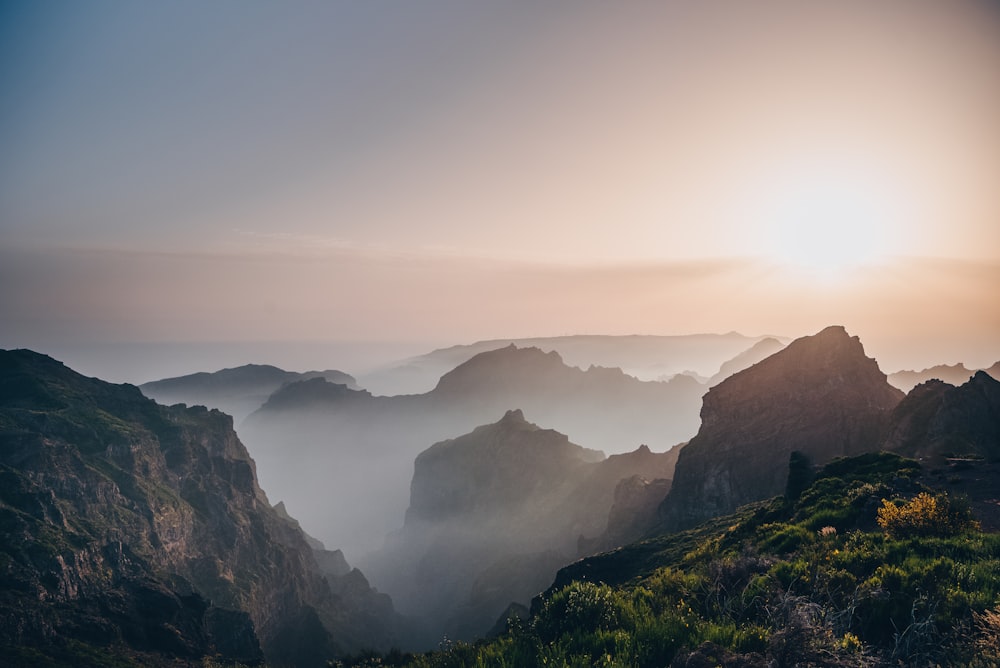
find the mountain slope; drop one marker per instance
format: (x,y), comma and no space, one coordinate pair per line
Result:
(819,581)
(129,524)
(820,395)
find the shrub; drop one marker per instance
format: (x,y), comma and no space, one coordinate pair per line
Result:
(925,515)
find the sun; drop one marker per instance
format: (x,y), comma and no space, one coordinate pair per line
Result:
(828,221)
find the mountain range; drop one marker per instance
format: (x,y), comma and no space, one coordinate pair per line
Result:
(645,357)
(357,449)
(955,374)
(139,532)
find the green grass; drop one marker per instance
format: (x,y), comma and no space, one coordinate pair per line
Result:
(814,581)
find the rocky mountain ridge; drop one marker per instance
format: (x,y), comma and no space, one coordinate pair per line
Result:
(131,525)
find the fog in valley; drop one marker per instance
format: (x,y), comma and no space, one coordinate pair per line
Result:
(455,531)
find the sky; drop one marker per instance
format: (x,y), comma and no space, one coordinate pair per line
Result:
(365,179)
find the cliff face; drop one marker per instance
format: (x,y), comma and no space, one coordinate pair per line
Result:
(492,515)
(821,396)
(124,521)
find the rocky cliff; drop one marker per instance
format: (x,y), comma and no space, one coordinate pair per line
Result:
(141,528)
(493,514)
(820,395)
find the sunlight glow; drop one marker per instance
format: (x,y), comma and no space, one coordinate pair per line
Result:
(829,219)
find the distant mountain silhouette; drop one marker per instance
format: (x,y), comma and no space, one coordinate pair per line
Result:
(759,351)
(357,449)
(820,396)
(128,526)
(645,357)
(492,515)
(238,391)
(954,374)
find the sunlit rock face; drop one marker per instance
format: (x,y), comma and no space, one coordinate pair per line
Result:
(127,523)
(821,396)
(493,515)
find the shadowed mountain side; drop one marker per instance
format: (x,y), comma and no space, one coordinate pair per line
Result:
(645,357)
(494,513)
(127,523)
(954,374)
(355,451)
(238,391)
(820,395)
(937,420)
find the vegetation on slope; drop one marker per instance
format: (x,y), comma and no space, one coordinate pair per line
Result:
(864,567)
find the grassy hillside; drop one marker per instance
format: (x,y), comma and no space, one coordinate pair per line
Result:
(864,567)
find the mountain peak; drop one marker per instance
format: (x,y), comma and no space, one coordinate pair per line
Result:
(514,415)
(820,395)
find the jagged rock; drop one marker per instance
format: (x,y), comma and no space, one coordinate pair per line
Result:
(123,521)
(821,396)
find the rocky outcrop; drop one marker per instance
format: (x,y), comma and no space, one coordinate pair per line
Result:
(821,396)
(238,391)
(937,420)
(128,524)
(493,514)
(357,449)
